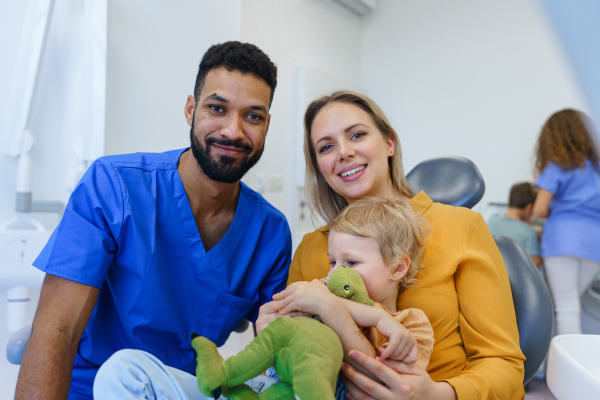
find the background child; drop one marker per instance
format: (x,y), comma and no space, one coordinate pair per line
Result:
(515,223)
(383,240)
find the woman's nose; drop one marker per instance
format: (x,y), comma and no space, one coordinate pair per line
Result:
(346,151)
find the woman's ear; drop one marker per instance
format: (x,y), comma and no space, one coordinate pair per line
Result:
(401,269)
(390,145)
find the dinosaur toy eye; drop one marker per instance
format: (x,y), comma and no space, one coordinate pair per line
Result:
(346,287)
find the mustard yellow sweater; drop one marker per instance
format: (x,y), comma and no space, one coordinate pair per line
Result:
(465,293)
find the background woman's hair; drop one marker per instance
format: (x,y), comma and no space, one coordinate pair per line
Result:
(565,140)
(399,231)
(321,199)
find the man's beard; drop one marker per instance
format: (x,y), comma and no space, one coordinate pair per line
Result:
(223,168)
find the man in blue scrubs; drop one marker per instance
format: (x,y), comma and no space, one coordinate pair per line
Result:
(153,247)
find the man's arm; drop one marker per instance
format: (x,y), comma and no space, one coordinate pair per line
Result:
(62,314)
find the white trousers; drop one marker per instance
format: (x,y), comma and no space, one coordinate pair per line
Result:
(568,278)
(137,375)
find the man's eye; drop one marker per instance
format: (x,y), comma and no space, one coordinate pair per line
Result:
(255,117)
(216,108)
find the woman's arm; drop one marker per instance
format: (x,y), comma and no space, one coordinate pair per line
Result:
(541,207)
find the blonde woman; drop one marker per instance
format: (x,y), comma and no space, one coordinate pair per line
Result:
(353,152)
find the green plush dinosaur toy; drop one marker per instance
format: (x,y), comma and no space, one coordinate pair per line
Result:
(306,354)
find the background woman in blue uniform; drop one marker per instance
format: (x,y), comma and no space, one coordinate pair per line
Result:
(569,182)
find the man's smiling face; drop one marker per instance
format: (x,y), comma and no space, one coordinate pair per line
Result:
(229,124)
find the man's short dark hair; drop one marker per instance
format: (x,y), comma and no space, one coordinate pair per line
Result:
(236,56)
(521,195)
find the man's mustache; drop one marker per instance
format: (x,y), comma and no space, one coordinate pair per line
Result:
(238,144)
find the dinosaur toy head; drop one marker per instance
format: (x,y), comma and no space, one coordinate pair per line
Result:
(346,283)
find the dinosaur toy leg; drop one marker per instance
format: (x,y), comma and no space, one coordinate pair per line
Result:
(212,372)
(209,368)
(324,355)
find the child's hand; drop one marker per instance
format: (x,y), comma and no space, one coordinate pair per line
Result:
(402,345)
(309,297)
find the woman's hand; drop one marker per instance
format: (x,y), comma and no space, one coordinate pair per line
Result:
(309,297)
(400,381)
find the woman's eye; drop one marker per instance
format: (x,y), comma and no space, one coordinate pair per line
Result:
(325,148)
(358,135)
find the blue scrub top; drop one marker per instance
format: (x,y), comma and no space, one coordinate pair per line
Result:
(573,225)
(129,230)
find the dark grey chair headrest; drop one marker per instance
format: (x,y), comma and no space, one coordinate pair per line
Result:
(448,180)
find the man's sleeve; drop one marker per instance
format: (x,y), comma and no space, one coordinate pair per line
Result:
(276,280)
(83,244)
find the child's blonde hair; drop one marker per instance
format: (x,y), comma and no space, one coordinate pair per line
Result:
(399,231)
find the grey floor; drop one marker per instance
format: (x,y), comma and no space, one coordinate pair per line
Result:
(538,390)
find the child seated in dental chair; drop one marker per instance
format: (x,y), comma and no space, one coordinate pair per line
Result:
(515,223)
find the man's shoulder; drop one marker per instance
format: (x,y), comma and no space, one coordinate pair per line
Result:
(146,161)
(259,206)
(506,226)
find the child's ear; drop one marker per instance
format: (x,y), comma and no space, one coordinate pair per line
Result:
(401,269)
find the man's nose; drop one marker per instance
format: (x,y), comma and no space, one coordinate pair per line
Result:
(232,129)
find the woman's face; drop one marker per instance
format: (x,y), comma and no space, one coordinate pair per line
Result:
(351,152)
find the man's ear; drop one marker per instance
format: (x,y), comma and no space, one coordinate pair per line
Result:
(401,269)
(268,124)
(190,106)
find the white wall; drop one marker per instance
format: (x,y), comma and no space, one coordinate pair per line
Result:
(469,78)
(154,48)
(296,32)
(53,120)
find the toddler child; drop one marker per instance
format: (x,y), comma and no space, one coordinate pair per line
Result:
(383,240)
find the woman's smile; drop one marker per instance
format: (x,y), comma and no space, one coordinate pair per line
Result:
(352,173)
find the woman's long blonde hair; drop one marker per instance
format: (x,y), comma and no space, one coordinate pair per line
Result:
(565,140)
(321,199)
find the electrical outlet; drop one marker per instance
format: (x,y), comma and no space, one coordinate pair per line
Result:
(275,183)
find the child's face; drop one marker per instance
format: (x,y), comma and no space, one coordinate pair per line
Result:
(363,256)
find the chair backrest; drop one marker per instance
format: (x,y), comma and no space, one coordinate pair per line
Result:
(448,180)
(533,304)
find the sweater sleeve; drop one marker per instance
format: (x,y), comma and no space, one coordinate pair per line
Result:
(494,367)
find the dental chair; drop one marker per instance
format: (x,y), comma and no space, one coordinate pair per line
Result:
(458,182)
